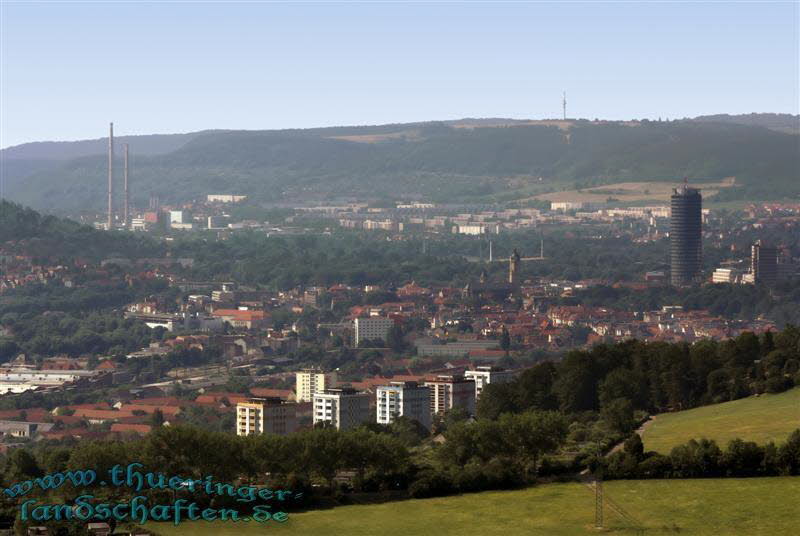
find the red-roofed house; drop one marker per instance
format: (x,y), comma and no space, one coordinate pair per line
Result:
(141,429)
(263,392)
(244,319)
(97,416)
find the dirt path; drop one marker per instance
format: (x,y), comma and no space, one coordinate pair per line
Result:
(639,431)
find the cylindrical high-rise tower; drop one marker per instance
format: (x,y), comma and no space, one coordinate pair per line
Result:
(686,236)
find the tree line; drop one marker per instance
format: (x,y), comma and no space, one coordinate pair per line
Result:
(618,379)
(703,458)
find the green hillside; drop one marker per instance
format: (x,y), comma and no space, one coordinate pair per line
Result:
(27,231)
(761,419)
(457,161)
(702,507)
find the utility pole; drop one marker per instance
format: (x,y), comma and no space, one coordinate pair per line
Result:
(110,215)
(126,209)
(598,503)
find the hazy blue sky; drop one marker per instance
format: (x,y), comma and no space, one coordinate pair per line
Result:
(70,68)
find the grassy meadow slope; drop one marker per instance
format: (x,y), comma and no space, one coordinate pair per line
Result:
(702,507)
(761,419)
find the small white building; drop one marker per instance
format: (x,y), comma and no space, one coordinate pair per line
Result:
(726,275)
(179,216)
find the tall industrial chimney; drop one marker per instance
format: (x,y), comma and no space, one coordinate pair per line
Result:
(126,210)
(110,220)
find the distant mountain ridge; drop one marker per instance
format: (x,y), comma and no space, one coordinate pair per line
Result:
(26,159)
(148,144)
(787,123)
(463,160)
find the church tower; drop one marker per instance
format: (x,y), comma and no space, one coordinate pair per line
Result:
(513,267)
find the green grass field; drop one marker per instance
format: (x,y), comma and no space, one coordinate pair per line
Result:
(752,507)
(760,419)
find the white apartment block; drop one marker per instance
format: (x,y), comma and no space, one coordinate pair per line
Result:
(726,275)
(448,392)
(403,399)
(371,328)
(265,416)
(483,376)
(342,408)
(311,381)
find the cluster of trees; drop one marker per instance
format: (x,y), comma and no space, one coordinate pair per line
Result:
(704,459)
(35,299)
(621,378)
(491,454)
(725,300)
(379,461)
(377,458)
(73,334)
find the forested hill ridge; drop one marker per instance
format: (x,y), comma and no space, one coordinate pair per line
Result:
(466,160)
(23,160)
(787,123)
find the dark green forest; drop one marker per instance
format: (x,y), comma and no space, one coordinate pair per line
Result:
(42,235)
(434,160)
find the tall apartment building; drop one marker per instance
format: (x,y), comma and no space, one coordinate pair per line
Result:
(310,381)
(686,236)
(764,263)
(371,328)
(483,376)
(403,399)
(265,416)
(343,408)
(451,391)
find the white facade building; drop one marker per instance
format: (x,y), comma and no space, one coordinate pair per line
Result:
(451,391)
(726,275)
(179,216)
(483,376)
(403,399)
(311,381)
(371,328)
(265,416)
(343,408)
